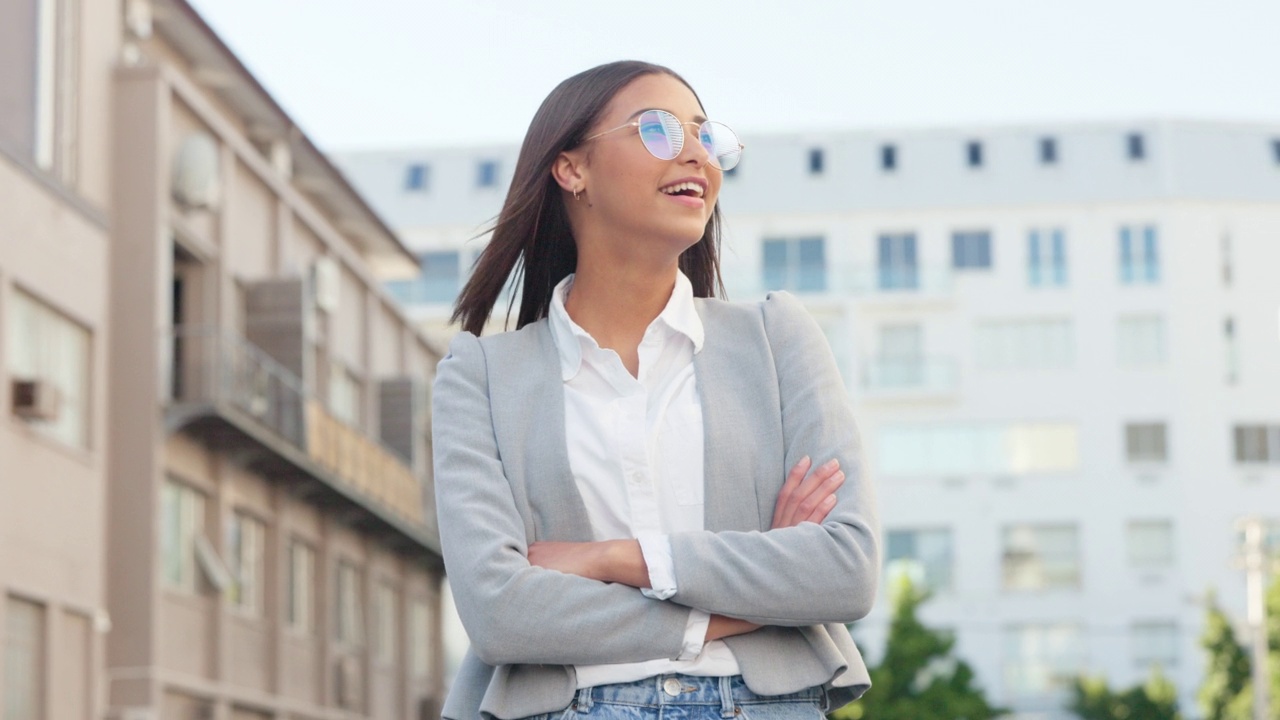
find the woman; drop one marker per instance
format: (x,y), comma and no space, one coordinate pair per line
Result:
(619,525)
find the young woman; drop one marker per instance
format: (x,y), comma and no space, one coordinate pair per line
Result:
(629,517)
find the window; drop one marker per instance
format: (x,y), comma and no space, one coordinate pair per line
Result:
(349,609)
(345,396)
(417,177)
(971,250)
(182,521)
(302,578)
(1040,661)
(1046,258)
(1232,350)
(733,171)
(487,173)
(1257,443)
(816,161)
(1155,643)
(1048,151)
(973,153)
(24,660)
(1136,146)
(1145,442)
(1275,150)
(888,157)
(1139,255)
(977,449)
(1227,260)
(1024,345)
(901,361)
(896,262)
(46,345)
(923,555)
(1041,557)
(38,88)
(384,619)
(439,281)
(420,639)
(795,264)
(246,553)
(1140,342)
(1150,543)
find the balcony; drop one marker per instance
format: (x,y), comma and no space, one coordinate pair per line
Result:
(861,283)
(235,398)
(916,378)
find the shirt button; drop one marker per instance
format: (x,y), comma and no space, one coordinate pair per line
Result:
(671,687)
(637,478)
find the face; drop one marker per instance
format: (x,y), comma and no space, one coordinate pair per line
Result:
(636,197)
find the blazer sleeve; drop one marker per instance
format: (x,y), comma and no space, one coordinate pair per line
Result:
(810,573)
(514,612)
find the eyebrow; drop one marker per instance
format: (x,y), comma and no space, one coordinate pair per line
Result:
(696,118)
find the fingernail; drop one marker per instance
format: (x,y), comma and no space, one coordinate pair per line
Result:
(831,500)
(805,460)
(833,463)
(839,476)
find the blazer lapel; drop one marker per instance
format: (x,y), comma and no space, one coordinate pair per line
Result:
(724,386)
(536,405)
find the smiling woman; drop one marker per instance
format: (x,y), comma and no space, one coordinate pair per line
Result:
(629,514)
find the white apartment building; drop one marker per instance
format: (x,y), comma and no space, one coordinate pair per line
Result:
(1063,343)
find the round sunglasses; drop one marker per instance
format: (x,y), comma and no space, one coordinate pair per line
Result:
(663,136)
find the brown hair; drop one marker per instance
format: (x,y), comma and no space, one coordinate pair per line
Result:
(532,243)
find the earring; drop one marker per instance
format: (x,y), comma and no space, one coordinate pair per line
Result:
(575,193)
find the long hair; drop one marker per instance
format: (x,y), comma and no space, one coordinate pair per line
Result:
(532,243)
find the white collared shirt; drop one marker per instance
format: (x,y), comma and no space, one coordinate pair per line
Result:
(635,449)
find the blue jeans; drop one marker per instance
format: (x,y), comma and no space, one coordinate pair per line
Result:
(685,697)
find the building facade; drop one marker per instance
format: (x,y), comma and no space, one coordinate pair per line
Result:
(215,485)
(1062,342)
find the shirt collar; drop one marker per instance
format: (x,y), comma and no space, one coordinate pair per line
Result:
(680,315)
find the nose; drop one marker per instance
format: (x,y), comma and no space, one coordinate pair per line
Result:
(693,151)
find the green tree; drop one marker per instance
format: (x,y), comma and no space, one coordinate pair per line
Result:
(918,678)
(1227,691)
(1157,699)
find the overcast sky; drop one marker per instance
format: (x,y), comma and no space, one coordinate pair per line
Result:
(358,74)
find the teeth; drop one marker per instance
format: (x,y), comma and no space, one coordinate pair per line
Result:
(681,187)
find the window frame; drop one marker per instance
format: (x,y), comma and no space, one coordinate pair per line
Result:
(1041,574)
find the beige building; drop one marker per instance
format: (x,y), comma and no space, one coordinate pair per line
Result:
(215,492)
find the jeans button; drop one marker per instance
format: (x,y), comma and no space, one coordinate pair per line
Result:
(671,687)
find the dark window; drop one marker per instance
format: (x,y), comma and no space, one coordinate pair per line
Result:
(971,250)
(816,161)
(795,264)
(896,262)
(1257,443)
(888,157)
(974,152)
(416,177)
(1048,151)
(1275,150)
(20,80)
(1137,146)
(1145,442)
(487,173)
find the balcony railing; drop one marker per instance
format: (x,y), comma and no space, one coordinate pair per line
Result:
(883,377)
(843,280)
(209,368)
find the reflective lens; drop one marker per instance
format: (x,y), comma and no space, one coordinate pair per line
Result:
(663,136)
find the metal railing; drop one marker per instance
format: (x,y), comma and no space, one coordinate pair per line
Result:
(858,281)
(214,368)
(919,375)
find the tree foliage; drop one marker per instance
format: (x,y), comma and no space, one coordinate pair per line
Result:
(1157,699)
(1227,690)
(918,677)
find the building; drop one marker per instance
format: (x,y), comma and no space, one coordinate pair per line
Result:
(215,488)
(1062,342)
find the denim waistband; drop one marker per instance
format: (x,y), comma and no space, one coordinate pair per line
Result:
(677,689)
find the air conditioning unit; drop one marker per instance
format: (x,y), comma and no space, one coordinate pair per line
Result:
(36,399)
(325,283)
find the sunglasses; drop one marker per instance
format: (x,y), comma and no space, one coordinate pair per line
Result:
(663,136)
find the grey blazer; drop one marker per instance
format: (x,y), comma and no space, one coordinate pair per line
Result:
(770,395)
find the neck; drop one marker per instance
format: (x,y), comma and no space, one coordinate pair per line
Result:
(615,303)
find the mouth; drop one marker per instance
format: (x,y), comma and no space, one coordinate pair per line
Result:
(691,188)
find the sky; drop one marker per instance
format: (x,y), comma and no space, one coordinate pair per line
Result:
(366,74)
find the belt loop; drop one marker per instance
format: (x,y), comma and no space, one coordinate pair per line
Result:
(726,696)
(583,702)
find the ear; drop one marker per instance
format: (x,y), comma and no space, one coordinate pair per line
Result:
(570,171)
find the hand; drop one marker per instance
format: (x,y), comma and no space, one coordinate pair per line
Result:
(807,499)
